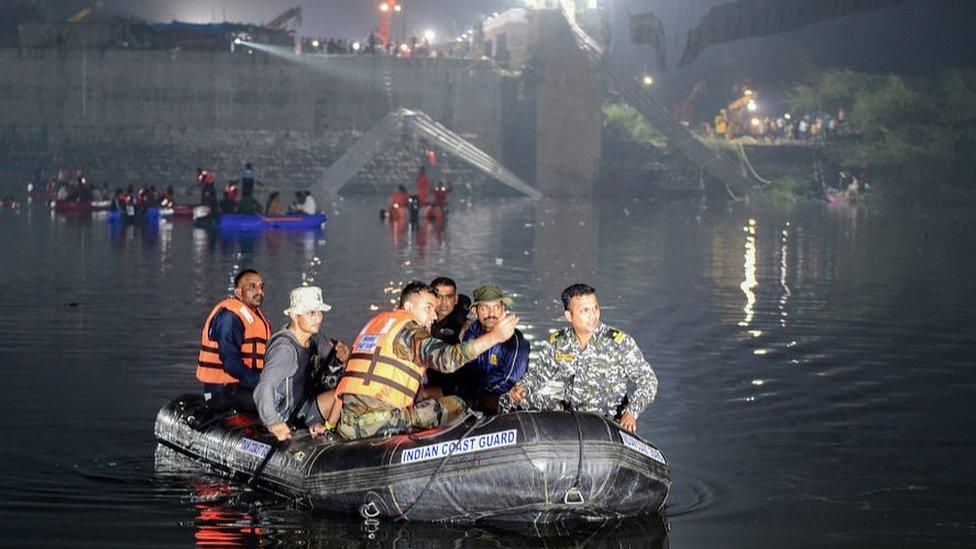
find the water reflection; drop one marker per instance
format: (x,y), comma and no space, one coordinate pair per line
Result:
(749,267)
(784,251)
(868,297)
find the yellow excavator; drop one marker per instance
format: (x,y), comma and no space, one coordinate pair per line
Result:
(738,113)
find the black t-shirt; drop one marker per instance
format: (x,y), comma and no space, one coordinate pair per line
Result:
(449,329)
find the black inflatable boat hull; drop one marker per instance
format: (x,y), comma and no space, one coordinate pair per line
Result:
(512,467)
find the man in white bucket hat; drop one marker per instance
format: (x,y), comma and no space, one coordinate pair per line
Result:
(284,394)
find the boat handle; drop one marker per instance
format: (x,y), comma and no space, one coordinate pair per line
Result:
(369,510)
(573,496)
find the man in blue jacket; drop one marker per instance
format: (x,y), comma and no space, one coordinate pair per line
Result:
(494,372)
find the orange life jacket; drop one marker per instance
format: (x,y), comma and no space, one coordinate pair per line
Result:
(374,369)
(257,331)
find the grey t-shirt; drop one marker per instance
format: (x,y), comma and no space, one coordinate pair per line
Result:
(286,379)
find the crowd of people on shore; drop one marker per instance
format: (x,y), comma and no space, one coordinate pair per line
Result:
(811,127)
(371,44)
(423,364)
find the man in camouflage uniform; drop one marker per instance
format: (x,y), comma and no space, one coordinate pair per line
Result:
(587,367)
(364,416)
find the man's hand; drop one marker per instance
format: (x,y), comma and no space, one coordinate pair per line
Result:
(628,421)
(505,328)
(342,351)
(516,394)
(281,431)
(317,430)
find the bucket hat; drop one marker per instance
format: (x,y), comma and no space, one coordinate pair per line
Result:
(306,299)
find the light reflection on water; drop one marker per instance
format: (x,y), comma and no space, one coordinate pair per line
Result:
(815,365)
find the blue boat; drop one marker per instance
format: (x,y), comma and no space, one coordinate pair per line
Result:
(246,222)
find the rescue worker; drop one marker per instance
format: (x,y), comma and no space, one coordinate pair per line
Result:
(229,204)
(452,318)
(494,372)
(232,346)
(388,361)
(423,186)
(721,124)
(451,309)
(285,390)
(208,194)
(248,205)
(399,198)
(441,190)
(118,202)
(247,180)
(587,367)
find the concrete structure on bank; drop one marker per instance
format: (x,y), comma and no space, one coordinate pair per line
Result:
(566,121)
(133,117)
(154,116)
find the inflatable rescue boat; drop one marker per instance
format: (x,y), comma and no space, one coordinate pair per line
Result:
(541,467)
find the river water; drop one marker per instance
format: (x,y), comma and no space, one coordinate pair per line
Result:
(816,364)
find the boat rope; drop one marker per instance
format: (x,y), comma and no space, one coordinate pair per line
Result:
(479,421)
(573,495)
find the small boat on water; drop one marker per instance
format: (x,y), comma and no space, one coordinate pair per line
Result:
(838,198)
(183,210)
(71,206)
(151,215)
(539,467)
(246,222)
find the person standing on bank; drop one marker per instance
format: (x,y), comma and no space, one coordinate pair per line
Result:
(587,367)
(388,361)
(284,392)
(232,346)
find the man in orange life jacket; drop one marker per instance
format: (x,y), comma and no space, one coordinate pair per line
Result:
(232,346)
(388,361)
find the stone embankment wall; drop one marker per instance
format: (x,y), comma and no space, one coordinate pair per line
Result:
(634,169)
(134,117)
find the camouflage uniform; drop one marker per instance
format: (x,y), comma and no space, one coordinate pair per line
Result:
(363,416)
(592,380)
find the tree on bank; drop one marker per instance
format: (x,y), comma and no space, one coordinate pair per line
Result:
(901,131)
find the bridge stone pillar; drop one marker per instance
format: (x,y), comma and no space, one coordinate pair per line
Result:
(568,111)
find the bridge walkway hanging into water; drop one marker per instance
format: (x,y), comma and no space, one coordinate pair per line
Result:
(392,127)
(712,162)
